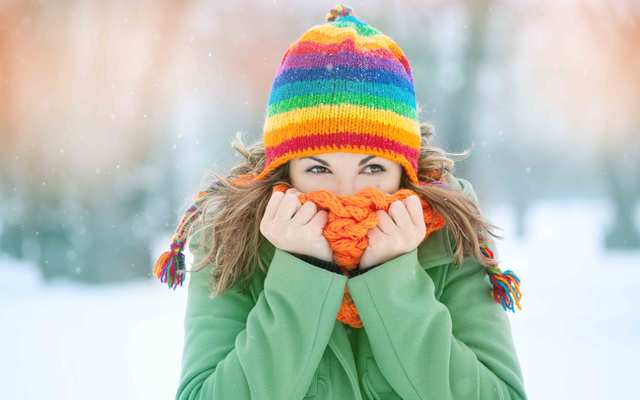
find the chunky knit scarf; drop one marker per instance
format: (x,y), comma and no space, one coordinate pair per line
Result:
(348,221)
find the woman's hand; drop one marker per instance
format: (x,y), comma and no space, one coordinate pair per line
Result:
(395,234)
(295,228)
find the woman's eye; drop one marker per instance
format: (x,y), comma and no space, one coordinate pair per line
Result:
(375,169)
(315,172)
(379,167)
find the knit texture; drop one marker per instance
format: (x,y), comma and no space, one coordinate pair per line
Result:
(349,219)
(342,86)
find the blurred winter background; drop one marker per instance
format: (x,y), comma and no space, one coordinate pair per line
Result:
(112,112)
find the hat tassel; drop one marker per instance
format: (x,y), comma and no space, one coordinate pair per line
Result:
(506,285)
(170,266)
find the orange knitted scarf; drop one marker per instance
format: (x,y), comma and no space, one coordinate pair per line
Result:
(348,221)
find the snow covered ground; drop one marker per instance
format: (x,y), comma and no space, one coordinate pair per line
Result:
(576,334)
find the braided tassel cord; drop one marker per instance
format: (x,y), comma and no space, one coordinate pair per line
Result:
(506,285)
(170,266)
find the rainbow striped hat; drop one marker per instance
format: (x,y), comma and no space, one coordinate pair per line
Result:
(342,86)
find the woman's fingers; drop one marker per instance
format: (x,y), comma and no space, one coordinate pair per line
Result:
(304,213)
(385,223)
(374,233)
(288,205)
(273,205)
(400,215)
(414,206)
(319,220)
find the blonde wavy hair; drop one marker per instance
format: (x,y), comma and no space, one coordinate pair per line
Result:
(229,214)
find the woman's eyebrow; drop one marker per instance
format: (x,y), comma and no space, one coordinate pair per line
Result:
(323,162)
(364,160)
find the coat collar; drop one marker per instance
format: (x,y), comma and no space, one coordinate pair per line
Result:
(436,249)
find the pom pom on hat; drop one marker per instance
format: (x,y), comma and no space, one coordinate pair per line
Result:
(338,11)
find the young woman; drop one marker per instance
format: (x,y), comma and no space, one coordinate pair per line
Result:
(289,299)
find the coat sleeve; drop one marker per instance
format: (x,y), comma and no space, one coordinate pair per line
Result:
(456,347)
(238,348)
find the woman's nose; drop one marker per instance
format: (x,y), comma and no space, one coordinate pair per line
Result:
(346,188)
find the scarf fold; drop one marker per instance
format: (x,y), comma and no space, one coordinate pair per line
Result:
(349,219)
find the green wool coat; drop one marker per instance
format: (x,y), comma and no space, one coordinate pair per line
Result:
(431,331)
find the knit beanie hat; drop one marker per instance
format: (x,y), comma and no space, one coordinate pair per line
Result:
(342,86)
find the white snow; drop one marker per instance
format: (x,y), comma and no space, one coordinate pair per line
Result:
(575,336)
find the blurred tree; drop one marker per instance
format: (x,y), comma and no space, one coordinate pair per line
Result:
(449,103)
(615,30)
(462,102)
(81,209)
(11,229)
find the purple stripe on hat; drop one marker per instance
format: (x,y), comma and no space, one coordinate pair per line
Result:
(344,58)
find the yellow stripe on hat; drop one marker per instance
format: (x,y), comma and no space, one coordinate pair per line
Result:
(321,126)
(352,115)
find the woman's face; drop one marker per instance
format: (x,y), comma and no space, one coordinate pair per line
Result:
(344,173)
